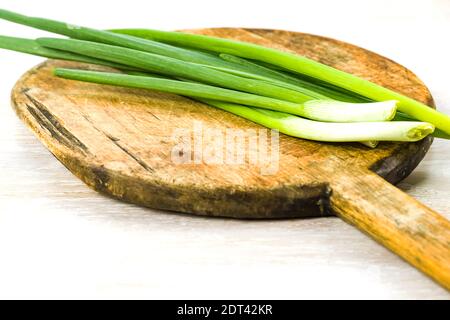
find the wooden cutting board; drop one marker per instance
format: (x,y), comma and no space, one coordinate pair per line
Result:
(121,142)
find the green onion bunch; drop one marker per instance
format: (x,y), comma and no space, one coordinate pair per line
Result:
(284,91)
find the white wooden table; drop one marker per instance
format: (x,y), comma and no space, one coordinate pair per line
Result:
(59,239)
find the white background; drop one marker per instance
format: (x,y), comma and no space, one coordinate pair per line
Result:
(58,239)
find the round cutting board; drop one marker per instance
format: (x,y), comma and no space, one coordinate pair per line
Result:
(121,143)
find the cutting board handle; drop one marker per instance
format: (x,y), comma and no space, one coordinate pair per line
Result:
(413,231)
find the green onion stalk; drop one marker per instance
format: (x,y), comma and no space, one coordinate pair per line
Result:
(285,123)
(30,46)
(313,109)
(330,132)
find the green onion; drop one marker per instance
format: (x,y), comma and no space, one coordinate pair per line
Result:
(32,47)
(329,132)
(285,123)
(264,85)
(294,102)
(180,87)
(299,64)
(318,110)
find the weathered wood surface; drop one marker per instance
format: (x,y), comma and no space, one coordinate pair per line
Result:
(119,141)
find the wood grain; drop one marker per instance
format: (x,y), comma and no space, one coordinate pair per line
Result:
(117,141)
(401,223)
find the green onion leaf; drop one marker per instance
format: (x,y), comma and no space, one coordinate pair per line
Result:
(322,110)
(32,47)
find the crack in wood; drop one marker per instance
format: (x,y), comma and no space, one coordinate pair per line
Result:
(49,122)
(136,158)
(154,115)
(54,133)
(116,141)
